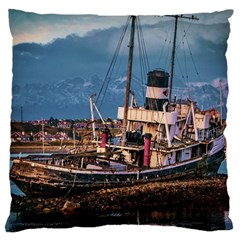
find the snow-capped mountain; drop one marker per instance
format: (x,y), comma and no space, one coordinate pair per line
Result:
(69,98)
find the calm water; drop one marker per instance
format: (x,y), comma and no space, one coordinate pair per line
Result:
(208,219)
(202,218)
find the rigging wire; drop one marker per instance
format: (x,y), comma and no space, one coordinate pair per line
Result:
(184,32)
(168,58)
(161,55)
(184,74)
(191,55)
(112,64)
(144,64)
(143,59)
(182,41)
(184,36)
(195,67)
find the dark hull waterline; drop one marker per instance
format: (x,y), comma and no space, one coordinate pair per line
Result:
(43,180)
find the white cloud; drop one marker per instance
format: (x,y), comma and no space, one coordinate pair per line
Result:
(32,27)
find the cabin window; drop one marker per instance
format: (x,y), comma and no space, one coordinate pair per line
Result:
(201,150)
(178,156)
(194,152)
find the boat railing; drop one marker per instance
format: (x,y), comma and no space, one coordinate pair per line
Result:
(207,134)
(97,164)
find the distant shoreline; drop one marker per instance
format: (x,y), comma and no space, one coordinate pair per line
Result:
(35,149)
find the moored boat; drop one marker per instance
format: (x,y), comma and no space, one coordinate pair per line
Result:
(161,141)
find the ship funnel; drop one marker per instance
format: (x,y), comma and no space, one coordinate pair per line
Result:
(157,90)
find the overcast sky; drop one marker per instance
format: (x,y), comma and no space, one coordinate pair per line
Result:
(31,27)
(45,49)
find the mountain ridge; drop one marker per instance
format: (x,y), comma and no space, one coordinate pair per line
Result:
(69,98)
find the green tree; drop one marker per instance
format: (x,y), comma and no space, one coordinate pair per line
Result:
(53,121)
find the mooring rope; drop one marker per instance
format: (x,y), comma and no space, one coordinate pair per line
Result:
(71,186)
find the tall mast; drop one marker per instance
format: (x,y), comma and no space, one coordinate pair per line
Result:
(173,58)
(128,84)
(174,50)
(92,116)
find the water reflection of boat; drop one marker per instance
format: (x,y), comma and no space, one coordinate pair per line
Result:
(165,139)
(202,218)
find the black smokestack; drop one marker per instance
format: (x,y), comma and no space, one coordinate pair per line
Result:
(157,90)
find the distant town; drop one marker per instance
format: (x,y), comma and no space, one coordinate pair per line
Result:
(57,130)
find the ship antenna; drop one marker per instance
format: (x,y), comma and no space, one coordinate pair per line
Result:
(174,49)
(128,83)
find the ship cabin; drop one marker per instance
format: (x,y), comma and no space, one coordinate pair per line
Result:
(179,131)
